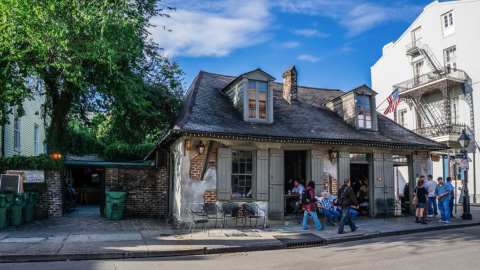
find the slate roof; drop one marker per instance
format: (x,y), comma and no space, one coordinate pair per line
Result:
(207,109)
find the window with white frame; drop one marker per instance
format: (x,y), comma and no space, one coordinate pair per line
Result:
(416,34)
(17,124)
(257,100)
(44,148)
(363,111)
(450,56)
(39,87)
(454,111)
(242,174)
(447,20)
(402,117)
(37,138)
(418,71)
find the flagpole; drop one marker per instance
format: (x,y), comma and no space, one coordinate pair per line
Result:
(381,103)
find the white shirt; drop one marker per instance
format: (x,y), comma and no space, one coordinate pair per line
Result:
(431,188)
(298,189)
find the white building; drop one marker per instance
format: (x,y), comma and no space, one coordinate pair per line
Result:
(434,65)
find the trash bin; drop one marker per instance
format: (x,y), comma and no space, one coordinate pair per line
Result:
(114,202)
(6,198)
(16,215)
(29,214)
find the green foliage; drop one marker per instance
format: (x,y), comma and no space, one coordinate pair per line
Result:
(89,55)
(43,163)
(81,142)
(127,152)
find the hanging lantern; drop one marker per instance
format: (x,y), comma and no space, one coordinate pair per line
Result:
(201,148)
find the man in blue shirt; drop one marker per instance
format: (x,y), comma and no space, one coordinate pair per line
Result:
(452,198)
(326,207)
(442,191)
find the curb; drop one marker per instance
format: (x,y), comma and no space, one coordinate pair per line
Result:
(203,251)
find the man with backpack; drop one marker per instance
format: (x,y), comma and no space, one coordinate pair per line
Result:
(346,199)
(308,201)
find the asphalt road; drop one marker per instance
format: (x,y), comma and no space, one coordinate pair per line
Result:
(446,249)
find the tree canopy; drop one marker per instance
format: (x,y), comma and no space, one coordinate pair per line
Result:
(90,55)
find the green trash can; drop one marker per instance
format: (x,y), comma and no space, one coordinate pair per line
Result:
(16,216)
(29,214)
(6,198)
(114,202)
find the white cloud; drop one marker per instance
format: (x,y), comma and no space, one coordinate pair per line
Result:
(290,44)
(309,58)
(213,29)
(357,16)
(310,33)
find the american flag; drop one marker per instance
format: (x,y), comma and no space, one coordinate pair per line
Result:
(393,100)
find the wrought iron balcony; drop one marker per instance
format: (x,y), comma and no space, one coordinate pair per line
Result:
(440,130)
(448,73)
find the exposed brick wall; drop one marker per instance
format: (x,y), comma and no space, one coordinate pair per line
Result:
(147,186)
(49,204)
(197,162)
(210,197)
(290,85)
(326,178)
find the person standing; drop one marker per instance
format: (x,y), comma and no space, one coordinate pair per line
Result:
(309,208)
(421,192)
(326,207)
(452,198)
(442,191)
(347,196)
(432,200)
(462,193)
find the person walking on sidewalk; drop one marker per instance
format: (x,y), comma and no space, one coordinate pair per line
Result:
(347,196)
(326,207)
(452,198)
(442,191)
(421,192)
(432,200)
(309,208)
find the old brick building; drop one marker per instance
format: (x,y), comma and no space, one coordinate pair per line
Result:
(244,139)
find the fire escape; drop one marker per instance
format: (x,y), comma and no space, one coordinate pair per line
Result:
(432,122)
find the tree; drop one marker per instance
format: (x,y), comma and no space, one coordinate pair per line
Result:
(89,54)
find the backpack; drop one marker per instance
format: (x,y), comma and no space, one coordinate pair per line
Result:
(340,199)
(305,197)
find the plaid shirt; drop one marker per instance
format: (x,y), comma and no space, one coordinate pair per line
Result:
(324,202)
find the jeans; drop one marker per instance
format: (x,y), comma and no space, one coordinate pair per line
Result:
(432,206)
(353,214)
(315,219)
(444,207)
(346,220)
(450,204)
(330,214)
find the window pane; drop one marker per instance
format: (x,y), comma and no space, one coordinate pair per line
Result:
(252,99)
(262,91)
(249,168)
(451,18)
(360,111)
(446,20)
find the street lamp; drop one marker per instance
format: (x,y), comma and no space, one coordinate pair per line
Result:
(464,140)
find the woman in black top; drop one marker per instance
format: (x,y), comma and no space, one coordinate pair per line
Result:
(421,193)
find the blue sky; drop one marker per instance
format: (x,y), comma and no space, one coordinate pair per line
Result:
(333,43)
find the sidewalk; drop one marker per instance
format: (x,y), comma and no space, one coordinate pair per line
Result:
(87,236)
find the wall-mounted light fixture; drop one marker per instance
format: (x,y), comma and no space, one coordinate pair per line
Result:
(188,144)
(332,154)
(201,148)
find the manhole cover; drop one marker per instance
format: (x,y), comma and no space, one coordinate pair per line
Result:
(301,240)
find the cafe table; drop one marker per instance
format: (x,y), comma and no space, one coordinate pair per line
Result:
(288,196)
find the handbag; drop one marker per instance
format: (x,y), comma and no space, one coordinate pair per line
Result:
(415,198)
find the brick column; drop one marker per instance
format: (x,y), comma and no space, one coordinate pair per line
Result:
(50,202)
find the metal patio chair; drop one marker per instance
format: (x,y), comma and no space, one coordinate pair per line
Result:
(212,211)
(230,211)
(392,206)
(253,211)
(381,206)
(198,217)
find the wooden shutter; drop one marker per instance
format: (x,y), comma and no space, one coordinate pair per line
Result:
(277,179)
(316,167)
(262,175)
(388,175)
(378,186)
(343,167)
(224,174)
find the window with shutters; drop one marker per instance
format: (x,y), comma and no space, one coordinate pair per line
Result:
(448,23)
(17,123)
(242,174)
(450,56)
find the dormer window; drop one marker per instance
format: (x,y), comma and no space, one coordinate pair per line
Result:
(257,100)
(363,111)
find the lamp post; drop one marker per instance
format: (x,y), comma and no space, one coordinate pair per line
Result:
(464,140)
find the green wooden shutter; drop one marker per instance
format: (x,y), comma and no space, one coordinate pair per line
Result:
(316,166)
(224,174)
(262,175)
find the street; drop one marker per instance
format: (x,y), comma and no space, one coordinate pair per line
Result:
(445,249)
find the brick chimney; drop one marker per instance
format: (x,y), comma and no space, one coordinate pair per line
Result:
(290,85)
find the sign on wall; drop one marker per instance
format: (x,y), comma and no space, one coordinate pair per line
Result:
(30,176)
(464,165)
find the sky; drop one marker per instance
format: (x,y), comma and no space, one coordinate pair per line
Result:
(332,43)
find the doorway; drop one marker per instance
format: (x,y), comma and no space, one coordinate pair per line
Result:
(295,166)
(88,182)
